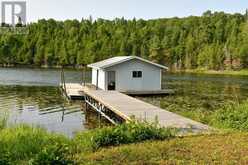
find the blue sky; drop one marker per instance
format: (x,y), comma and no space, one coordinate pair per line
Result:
(146,9)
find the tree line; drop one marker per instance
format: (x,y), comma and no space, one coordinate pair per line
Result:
(212,41)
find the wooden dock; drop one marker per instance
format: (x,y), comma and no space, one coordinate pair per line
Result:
(129,108)
(72,91)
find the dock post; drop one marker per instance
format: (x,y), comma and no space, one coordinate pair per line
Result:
(86,105)
(99,119)
(82,76)
(145,117)
(63,79)
(97,79)
(85,66)
(63,114)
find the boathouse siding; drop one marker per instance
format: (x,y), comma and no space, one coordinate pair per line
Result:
(150,80)
(127,73)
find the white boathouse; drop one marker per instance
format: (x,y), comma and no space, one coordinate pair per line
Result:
(127,74)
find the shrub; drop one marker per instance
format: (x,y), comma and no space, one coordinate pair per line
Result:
(121,134)
(232,116)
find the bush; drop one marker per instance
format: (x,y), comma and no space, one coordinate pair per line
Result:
(232,116)
(121,134)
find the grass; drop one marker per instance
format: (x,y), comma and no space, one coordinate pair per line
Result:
(134,143)
(232,116)
(229,148)
(27,145)
(3,123)
(222,148)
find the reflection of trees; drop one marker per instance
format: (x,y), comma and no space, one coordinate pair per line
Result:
(18,98)
(32,95)
(45,100)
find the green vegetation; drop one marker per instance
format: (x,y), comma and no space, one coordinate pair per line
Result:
(194,107)
(232,116)
(125,143)
(122,134)
(3,123)
(23,144)
(229,148)
(212,41)
(243,72)
(229,115)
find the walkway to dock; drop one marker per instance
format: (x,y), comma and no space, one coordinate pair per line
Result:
(128,108)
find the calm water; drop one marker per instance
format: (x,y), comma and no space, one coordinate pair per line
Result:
(36,77)
(198,95)
(32,96)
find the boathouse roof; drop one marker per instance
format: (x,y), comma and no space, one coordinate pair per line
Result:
(120,59)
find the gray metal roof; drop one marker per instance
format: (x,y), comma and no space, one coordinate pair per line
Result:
(120,59)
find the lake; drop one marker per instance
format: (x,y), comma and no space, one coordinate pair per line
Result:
(199,95)
(32,96)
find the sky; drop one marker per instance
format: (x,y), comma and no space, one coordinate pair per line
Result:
(110,9)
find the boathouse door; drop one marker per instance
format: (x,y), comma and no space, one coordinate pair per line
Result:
(111,80)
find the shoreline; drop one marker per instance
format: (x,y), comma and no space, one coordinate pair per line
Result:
(243,72)
(41,67)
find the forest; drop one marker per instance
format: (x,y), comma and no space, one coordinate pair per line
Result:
(214,41)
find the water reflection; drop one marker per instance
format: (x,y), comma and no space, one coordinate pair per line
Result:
(37,100)
(38,77)
(45,107)
(198,95)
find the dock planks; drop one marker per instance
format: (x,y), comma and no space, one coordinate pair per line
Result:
(72,90)
(128,107)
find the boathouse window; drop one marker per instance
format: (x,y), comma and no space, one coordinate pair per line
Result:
(137,74)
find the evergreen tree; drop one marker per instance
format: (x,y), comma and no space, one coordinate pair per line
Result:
(214,40)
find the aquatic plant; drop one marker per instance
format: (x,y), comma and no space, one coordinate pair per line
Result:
(232,116)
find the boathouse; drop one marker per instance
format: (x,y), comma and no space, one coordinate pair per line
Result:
(127,73)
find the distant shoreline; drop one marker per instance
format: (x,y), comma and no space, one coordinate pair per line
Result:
(39,67)
(243,72)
